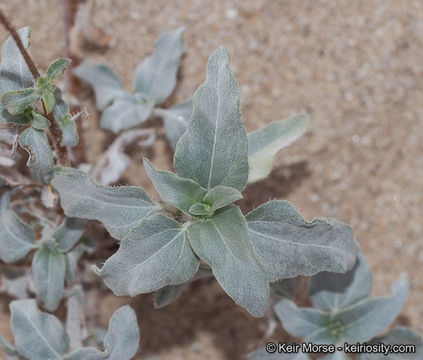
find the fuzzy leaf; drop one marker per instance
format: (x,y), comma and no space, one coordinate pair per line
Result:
(67,125)
(49,101)
(334,291)
(262,354)
(156,75)
(213,150)
(37,335)
(288,246)
(14,72)
(221,196)
(39,122)
(118,208)
(68,234)
(7,117)
(72,258)
(179,192)
(126,111)
(16,101)
(176,120)
(104,80)
(200,210)
(16,237)
(40,159)
(154,254)
(57,68)
(264,143)
(223,242)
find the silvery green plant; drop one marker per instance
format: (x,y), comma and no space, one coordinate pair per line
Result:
(154,81)
(40,335)
(162,244)
(343,313)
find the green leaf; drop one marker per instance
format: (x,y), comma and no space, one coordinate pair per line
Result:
(200,210)
(48,268)
(37,335)
(289,246)
(39,122)
(72,258)
(264,143)
(14,72)
(221,196)
(49,101)
(7,117)
(16,237)
(57,68)
(68,233)
(175,120)
(223,242)
(40,155)
(16,101)
(126,111)
(62,115)
(118,208)
(121,341)
(156,75)
(106,83)
(330,291)
(179,192)
(154,254)
(213,150)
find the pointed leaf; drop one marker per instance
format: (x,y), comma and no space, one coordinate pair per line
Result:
(14,72)
(264,143)
(40,159)
(156,75)
(118,208)
(154,254)
(288,246)
(37,335)
(16,237)
(221,196)
(48,268)
(179,192)
(330,291)
(223,242)
(57,68)
(126,111)
(39,122)
(67,125)
(16,101)
(68,234)
(106,83)
(213,150)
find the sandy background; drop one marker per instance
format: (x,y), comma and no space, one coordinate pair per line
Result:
(355,67)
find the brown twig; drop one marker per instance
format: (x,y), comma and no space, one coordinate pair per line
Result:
(61,151)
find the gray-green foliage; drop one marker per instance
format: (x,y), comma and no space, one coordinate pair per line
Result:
(211,165)
(39,335)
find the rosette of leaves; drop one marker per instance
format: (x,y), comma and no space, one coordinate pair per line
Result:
(39,335)
(154,81)
(20,95)
(212,168)
(343,313)
(56,253)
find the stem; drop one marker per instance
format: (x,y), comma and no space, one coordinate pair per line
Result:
(55,129)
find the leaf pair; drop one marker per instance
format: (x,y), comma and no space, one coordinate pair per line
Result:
(39,335)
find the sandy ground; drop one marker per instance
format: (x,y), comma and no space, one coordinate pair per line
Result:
(354,66)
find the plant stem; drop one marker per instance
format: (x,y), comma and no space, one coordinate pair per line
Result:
(61,151)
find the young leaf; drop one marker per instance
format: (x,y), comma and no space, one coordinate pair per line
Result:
(200,210)
(156,75)
(37,335)
(221,196)
(57,68)
(49,101)
(125,112)
(39,122)
(16,237)
(288,246)
(118,208)
(68,234)
(14,72)
(67,125)
(223,242)
(213,150)
(154,254)
(106,83)
(330,291)
(264,143)
(179,192)
(40,155)
(48,268)
(16,101)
